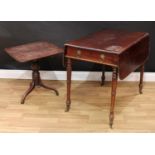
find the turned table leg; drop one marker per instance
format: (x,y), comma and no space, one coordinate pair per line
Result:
(113,95)
(69,72)
(103,76)
(141,79)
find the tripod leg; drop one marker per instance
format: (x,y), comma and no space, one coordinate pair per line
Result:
(44,86)
(32,85)
(37,79)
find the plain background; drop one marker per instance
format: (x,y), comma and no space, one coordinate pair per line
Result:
(58,32)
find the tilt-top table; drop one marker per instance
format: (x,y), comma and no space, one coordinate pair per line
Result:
(33,52)
(123,51)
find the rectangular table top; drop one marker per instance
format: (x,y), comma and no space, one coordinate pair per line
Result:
(111,41)
(125,50)
(33,51)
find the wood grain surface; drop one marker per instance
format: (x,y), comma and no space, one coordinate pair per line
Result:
(33,51)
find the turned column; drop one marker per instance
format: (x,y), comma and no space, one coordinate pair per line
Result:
(69,72)
(113,95)
(141,79)
(36,81)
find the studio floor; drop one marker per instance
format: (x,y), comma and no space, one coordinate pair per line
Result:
(43,111)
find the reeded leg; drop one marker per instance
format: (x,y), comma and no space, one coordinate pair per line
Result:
(103,76)
(32,85)
(141,79)
(113,95)
(69,72)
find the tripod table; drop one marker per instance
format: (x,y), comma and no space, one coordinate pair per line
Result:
(34,52)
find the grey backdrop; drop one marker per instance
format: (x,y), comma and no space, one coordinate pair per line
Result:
(15,33)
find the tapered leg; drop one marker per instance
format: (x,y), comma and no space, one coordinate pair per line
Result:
(32,85)
(141,79)
(69,72)
(113,95)
(103,76)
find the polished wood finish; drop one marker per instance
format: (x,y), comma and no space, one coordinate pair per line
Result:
(126,51)
(141,79)
(33,52)
(113,95)
(92,56)
(103,76)
(108,41)
(69,72)
(36,81)
(45,112)
(133,57)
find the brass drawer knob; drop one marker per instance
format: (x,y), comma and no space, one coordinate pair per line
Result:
(78,53)
(102,56)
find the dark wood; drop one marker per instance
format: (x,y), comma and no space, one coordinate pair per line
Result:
(113,95)
(32,85)
(33,51)
(69,72)
(141,79)
(36,81)
(92,56)
(126,50)
(122,50)
(103,76)
(111,41)
(133,57)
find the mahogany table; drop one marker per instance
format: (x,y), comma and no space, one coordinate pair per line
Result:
(123,51)
(33,52)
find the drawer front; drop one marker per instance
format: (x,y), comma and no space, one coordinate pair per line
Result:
(92,56)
